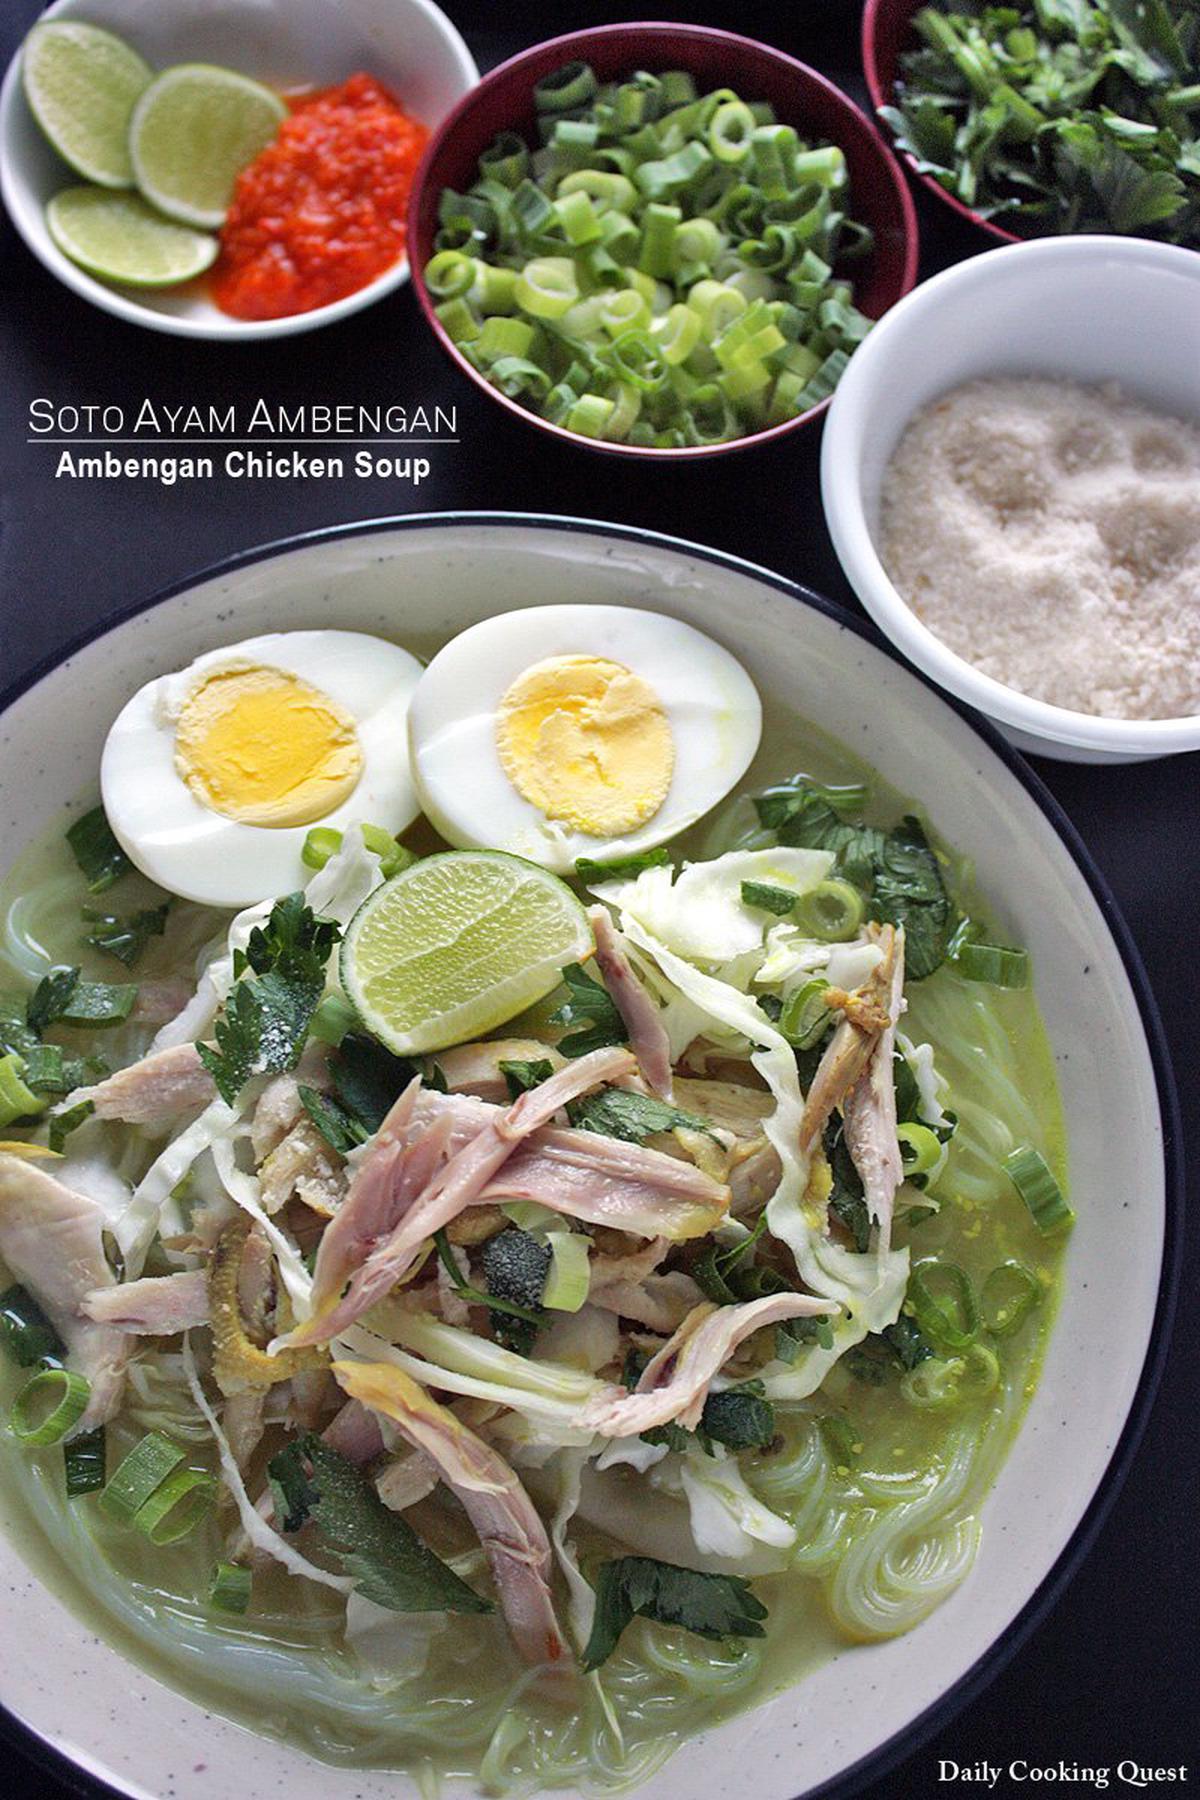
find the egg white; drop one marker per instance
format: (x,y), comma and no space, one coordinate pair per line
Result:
(713,707)
(197,853)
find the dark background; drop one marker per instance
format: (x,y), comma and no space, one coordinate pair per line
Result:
(1108,1674)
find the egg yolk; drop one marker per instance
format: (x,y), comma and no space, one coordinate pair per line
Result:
(587,742)
(263,747)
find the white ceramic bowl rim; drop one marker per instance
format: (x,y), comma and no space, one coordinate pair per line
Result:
(847,519)
(999,1653)
(123,302)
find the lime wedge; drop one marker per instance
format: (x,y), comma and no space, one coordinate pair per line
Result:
(81,84)
(119,238)
(192,133)
(456,944)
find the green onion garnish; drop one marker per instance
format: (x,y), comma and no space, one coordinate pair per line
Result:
(17,1101)
(176,1506)
(805,1016)
(658,272)
(832,911)
(392,856)
(61,1391)
(320,843)
(25,1331)
(943,1302)
(993,963)
(1009,1295)
(1030,1174)
(137,1476)
(99,1005)
(83,1463)
(229,1590)
(920,1148)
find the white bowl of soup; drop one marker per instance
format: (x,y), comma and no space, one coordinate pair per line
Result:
(965,1522)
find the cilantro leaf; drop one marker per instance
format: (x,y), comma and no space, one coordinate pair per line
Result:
(847,1201)
(620,1113)
(368,1079)
(711,1606)
(909,891)
(126,938)
(591,1009)
(765,898)
(97,851)
(336,1124)
(376,1546)
(520,1076)
(266,1021)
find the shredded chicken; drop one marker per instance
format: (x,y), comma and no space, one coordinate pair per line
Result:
(869,1109)
(850,1048)
(475,1068)
(157,1091)
(675,1382)
(302,1166)
(156,1306)
(280,1106)
(643,1021)
(420,1211)
(506,1520)
(659,1302)
(51,1240)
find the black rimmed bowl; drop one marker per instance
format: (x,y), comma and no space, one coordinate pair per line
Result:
(420,579)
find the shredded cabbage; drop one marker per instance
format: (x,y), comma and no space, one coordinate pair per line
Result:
(699,912)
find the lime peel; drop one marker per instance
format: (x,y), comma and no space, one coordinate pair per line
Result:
(458,944)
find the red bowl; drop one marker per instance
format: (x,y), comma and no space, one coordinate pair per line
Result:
(886,33)
(503,101)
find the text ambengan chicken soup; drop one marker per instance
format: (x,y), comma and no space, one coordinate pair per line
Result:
(530,1204)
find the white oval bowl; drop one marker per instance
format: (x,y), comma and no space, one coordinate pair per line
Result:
(424,579)
(1088,309)
(410,45)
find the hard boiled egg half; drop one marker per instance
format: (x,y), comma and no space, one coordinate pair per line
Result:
(567,731)
(212,778)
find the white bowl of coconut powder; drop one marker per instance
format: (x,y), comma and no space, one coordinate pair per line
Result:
(1011,476)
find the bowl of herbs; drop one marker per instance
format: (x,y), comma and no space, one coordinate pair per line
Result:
(1048,118)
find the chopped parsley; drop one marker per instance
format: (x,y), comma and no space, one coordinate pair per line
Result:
(125,938)
(590,1012)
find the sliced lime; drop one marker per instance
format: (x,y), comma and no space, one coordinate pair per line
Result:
(119,238)
(81,84)
(192,133)
(458,943)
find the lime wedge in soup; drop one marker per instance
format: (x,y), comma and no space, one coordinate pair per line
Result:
(456,945)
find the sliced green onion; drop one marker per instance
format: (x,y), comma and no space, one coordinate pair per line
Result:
(333,1018)
(604,188)
(176,1506)
(590,415)
(730,130)
(805,1016)
(16,1100)
(943,1303)
(229,1589)
(920,1148)
(449,274)
(832,911)
(571,86)
(569,1274)
(503,336)
(319,845)
(137,1476)
(84,1462)
(994,963)
(460,322)
(938,1383)
(1009,1295)
(1030,1174)
(546,287)
(25,1331)
(61,1391)
(99,1004)
(659,225)
(392,856)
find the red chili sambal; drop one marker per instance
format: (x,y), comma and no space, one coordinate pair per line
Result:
(320,212)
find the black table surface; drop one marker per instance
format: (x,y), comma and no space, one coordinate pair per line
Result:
(1105,1678)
